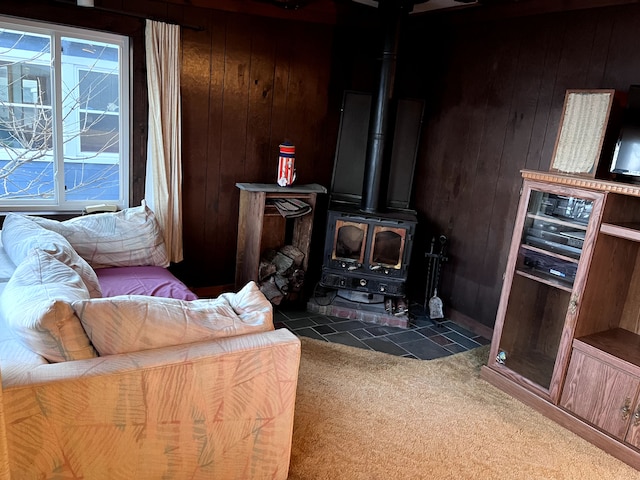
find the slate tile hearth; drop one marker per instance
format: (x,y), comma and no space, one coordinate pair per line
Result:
(425,339)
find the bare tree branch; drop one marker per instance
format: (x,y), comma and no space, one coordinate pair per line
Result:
(27,127)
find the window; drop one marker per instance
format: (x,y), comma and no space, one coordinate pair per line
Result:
(64,118)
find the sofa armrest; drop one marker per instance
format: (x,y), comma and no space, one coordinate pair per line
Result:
(217,409)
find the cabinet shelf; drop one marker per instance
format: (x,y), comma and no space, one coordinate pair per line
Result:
(271,211)
(618,343)
(546,279)
(628,231)
(558,221)
(551,254)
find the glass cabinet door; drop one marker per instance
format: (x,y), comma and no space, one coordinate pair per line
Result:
(552,227)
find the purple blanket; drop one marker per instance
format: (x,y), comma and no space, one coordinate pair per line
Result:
(149,280)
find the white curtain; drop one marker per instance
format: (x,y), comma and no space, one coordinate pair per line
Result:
(163,188)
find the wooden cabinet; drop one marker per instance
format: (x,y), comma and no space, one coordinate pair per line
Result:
(567,333)
(547,267)
(262,227)
(603,382)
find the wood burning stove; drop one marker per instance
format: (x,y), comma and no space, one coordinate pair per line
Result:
(368,252)
(368,247)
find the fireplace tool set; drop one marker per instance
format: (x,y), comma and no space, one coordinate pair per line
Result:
(433,305)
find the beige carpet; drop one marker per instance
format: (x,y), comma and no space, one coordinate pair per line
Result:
(371,416)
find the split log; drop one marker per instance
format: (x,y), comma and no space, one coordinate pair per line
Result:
(294,253)
(283,263)
(280,274)
(281,282)
(271,291)
(265,270)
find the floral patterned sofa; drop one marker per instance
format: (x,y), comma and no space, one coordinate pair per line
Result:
(132,386)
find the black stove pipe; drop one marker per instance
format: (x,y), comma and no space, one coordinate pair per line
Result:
(392,13)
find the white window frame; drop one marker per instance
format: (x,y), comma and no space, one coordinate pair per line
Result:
(57,32)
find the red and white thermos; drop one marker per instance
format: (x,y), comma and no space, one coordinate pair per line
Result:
(286,164)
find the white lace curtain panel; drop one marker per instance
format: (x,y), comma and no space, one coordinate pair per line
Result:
(163,188)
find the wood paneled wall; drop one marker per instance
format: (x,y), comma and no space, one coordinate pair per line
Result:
(497,111)
(248,84)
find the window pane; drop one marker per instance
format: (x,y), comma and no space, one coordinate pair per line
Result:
(4,83)
(98,91)
(92,181)
(99,133)
(62,145)
(32,179)
(26,123)
(91,128)
(27,128)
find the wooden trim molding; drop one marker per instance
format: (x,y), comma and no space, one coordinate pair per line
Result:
(582,182)
(469,323)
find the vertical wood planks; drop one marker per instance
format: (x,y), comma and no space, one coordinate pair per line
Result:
(498,111)
(249,83)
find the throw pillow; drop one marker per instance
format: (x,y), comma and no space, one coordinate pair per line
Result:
(131,323)
(7,267)
(35,304)
(127,238)
(20,235)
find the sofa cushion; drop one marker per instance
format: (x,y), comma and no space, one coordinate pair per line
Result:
(35,305)
(7,267)
(21,234)
(131,323)
(127,238)
(147,280)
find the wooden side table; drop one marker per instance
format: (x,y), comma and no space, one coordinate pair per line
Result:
(261,227)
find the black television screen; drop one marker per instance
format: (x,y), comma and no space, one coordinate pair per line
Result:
(626,156)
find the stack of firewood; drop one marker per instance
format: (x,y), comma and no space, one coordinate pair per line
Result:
(280,274)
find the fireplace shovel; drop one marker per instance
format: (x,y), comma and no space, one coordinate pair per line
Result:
(435,306)
(435,303)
